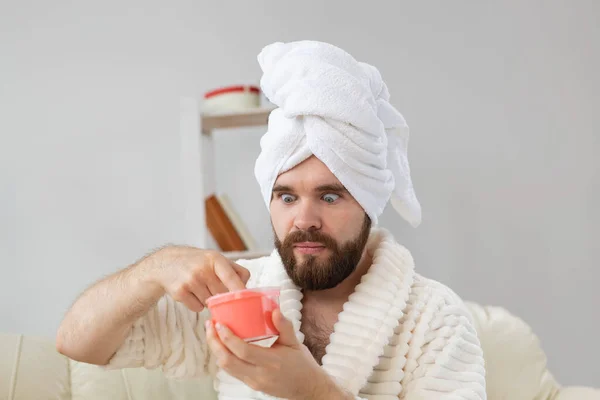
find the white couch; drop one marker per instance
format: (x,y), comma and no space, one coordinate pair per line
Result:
(31,369)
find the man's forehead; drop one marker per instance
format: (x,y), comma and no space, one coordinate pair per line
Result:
(306,182)
(311,173)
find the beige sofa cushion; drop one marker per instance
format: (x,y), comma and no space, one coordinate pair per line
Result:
(32,369)
(89,382)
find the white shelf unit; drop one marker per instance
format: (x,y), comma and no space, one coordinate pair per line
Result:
(198,165)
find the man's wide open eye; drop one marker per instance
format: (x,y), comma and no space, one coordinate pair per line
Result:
(330,197)
(287,198)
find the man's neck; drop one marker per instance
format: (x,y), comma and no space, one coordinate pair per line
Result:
(340,293)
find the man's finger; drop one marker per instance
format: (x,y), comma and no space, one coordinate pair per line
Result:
(244,351)
(242,272)
(228,275)
(189,300)
(215,286)
(200,292)
(287,334)
(225,359)
(218,349)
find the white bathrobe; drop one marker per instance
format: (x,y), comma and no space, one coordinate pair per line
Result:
(399,335)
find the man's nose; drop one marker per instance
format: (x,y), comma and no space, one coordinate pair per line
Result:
(308,217)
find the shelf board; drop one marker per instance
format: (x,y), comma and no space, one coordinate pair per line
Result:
(254,117)
(250,254)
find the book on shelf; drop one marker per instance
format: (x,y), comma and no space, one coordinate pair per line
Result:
(226,226)
(237,222)
(220,226)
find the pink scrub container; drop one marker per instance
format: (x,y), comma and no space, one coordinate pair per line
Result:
(247,313)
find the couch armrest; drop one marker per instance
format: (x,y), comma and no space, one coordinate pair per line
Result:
(31,368)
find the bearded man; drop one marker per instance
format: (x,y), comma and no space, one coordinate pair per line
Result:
(356,321)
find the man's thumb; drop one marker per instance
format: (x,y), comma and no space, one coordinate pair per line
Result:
(287,334)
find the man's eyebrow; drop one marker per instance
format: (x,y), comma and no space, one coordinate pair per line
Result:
(282,188)
(332,187)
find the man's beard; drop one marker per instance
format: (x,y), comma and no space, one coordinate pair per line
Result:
(313,274)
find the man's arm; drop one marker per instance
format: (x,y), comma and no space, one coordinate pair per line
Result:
(103,317)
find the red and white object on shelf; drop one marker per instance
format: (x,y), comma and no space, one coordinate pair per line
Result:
(231,99)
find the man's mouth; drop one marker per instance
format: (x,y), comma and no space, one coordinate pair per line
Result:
(309,247)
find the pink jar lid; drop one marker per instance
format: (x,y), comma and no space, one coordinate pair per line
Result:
(242,294)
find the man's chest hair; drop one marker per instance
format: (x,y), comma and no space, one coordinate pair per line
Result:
(317,331)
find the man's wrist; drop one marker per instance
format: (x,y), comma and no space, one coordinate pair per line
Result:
(330,390)
(147,272)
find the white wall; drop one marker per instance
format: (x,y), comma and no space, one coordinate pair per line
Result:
(502,100)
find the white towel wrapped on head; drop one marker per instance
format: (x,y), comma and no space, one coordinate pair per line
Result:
(337,109)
